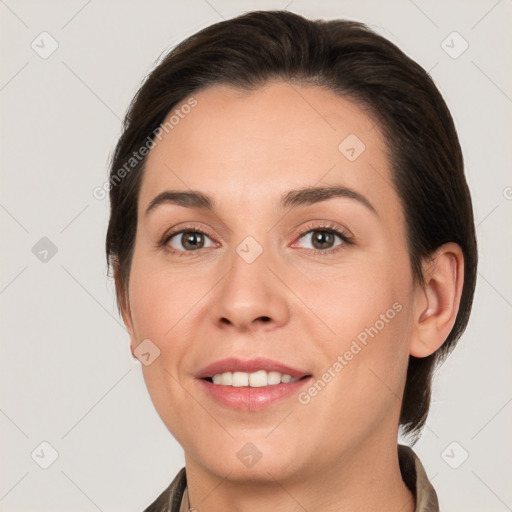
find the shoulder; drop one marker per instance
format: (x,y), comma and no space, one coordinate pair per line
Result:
(170,499)
(416,479)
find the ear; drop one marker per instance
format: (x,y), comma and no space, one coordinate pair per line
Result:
(124,306)
(436,303)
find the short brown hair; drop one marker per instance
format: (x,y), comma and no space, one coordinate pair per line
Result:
(353,61)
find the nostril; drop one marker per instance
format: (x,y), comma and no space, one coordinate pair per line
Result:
(265,319)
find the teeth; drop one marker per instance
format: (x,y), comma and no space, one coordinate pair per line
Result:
(226,379)
(240,379)
(257,379)
(273,378)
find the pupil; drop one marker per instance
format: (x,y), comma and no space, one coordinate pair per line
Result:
(191,240)
(322,238)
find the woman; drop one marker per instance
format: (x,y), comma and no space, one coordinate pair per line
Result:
(293,247)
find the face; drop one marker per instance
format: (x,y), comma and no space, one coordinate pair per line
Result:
(267,282)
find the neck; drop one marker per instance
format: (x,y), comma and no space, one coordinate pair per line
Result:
(366,478)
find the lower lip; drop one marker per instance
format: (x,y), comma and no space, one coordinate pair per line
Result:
(252,399)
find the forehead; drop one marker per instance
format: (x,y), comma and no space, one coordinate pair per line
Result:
(235,144)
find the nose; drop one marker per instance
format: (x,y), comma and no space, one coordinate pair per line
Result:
(251,296)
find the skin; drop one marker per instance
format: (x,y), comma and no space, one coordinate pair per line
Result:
(198,306)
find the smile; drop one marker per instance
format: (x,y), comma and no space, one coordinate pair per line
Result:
(258,379)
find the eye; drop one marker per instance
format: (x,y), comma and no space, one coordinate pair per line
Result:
(325,238)
(188,240)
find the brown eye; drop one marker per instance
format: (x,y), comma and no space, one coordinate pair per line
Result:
(324,239)
(188,240)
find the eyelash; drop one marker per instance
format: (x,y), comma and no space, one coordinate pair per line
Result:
(329,228)
(326,227)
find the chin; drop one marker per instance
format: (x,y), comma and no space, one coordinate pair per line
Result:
(245,460)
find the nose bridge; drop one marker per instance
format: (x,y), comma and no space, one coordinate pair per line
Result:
(250,291)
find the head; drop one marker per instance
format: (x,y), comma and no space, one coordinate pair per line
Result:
(253,113)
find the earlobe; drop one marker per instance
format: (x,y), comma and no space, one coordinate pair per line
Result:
(437,301)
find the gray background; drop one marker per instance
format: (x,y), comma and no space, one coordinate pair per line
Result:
(67,375)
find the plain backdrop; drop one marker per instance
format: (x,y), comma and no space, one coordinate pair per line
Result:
(68,71)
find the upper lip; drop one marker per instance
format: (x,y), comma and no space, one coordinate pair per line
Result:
(233,364)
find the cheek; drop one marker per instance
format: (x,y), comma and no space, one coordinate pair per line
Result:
(367,313)
(159,299)
(364,370)
(159,304)
(345,302)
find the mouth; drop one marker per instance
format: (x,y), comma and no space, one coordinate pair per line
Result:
(257,379)
(251,385)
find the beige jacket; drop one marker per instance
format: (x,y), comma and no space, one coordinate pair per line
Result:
(175,497)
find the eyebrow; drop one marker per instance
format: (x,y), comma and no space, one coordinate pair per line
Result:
(291,199)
